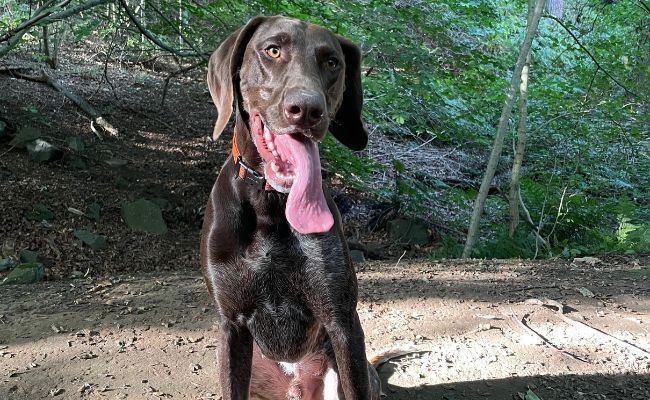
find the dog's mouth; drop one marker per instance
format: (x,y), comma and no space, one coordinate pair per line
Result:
(292,165)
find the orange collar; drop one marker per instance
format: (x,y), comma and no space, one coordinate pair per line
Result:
(244,171)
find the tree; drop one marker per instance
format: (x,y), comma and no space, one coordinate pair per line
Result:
(497,147)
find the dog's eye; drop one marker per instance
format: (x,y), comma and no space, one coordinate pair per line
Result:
(273,51)
(332,63)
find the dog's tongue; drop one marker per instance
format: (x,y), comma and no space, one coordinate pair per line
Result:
(307,210)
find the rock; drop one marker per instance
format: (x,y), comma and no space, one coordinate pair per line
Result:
(25,273)
(93,211)
(40,213)
(163,203)
(42,151)
(116,163)
(7,263)
(357,256)
(76,143)
(28,256)
(93,241)
(144,215)
(25,135)
(408,231)
(375,251)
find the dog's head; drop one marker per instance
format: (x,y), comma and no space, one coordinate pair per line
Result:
(293,81)
(296,77)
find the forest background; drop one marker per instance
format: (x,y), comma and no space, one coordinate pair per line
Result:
(435,76)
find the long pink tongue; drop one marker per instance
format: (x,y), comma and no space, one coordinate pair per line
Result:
(307,210)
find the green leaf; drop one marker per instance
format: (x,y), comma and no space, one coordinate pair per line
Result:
(530,395)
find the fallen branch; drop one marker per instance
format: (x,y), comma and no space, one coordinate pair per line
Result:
(81,103)
(522,322)
(581,325)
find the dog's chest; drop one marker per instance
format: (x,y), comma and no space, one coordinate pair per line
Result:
(285,275)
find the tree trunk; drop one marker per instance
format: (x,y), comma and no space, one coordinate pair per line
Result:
(513,195)
(497,147)
(520,148)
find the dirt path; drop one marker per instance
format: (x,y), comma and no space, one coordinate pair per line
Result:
(147,336)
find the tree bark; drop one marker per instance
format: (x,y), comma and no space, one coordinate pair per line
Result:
(520,147)
(497,147)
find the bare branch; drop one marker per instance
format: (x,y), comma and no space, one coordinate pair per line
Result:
(44,16)
(81,103)
(153,37)
(575,39)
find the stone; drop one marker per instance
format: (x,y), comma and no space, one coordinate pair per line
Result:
(375,251)
(40,213)
(408,231)
(25,273)
(76,143)
(357,256)
(93,211)
(28,256)
(25,135)
(7,263)
(42,151)
(163,203)
(144,215)
(95,242)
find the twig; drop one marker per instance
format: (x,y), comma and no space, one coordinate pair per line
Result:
(523,324)
(81,103)
(578,324)
(174,74)
(44,18)
(536,228)
(419,146)
(153,37)
(575,39)
(8,150)
(400,258)
(536,287)
(559,212)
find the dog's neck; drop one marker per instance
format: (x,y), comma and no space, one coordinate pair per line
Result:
(244,170)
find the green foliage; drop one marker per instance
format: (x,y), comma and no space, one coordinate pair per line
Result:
(346,166)
(448,247)
(438,71)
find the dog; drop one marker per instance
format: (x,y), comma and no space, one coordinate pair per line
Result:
(273,253)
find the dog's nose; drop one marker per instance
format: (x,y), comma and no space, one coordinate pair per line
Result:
(303,107)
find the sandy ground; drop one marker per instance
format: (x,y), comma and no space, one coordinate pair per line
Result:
(481,334)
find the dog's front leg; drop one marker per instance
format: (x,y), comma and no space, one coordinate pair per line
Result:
(235,361)
(350,352)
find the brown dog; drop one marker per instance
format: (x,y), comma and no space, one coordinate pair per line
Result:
(273,252)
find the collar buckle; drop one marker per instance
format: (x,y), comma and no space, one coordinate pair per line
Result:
(246,173)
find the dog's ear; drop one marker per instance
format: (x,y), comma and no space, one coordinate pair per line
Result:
(222,68)
(347,125)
